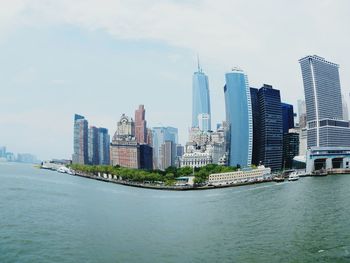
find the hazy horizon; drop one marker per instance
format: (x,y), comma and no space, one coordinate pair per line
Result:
(103,58)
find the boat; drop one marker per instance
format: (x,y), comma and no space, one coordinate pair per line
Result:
(293,176)
(278,179)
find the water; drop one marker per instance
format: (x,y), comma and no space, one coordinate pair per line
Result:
(51,217)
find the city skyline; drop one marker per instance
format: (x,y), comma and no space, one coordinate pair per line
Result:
(60,65)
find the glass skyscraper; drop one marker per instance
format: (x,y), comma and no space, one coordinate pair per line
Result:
(93,145)
(325,123)
(238,118)
(103,146)
(80,155)
(287,117)
(160,135)
(200,98)
(271,127)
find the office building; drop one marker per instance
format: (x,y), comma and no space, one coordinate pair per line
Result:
(140,125)
(168,154)
(287,117)
(290,148)
(80,149)
(256,125)
(238,118)
(160,135)
(271,130)
(146,157)
(93,155)
(326,126)
(200,99)
(124,149)
(103,146)
(204,122)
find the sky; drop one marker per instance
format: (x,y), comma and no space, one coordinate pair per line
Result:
(102,58)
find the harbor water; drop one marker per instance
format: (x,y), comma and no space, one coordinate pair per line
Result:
(50,217)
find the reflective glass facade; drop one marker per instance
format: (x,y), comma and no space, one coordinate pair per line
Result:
(238,118)
(160,135)
(200,97)
(271,128)
(287,117)
(323,103)
(103,146)
(80,144)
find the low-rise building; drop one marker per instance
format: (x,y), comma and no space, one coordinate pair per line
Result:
(241,176)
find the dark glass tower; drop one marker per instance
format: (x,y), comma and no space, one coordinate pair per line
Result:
(271,131)
(287,117)
(256,125)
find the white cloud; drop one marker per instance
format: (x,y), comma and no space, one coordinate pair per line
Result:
(266,38)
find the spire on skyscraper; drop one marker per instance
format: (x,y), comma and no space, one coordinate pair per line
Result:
(198,64)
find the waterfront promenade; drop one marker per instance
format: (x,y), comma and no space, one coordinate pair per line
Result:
(112,179)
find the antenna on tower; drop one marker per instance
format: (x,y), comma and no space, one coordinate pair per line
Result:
(198,64)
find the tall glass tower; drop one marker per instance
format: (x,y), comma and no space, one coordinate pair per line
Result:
(80,143)
(200,97)
(239,118)
(325,123)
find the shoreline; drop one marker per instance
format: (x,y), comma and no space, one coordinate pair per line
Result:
(162,187)
(109,179)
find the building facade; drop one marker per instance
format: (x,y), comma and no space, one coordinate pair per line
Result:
(326,126)
(287,117)
(168,154)
(146,157)
(80,143)
(124,149)
(160,135)
(290,148)
(140,125)
(256,125)
(242,176)
(200,98)
(271,130)
(103,146)
(238,118)
(93,145)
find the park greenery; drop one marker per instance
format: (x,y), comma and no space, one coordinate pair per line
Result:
(168,177)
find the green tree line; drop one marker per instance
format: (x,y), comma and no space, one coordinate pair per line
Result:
(168,176)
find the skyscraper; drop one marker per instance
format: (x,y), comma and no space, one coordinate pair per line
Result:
(80,151)
(271,130)
(93,145)
(200,97)
(239,118)
(256,125)
(290,148)
(140,125)
(287,117)
(168,150)
(325,123)
(160,135)
(103,146)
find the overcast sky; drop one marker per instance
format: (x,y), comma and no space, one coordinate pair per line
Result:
(101,58)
